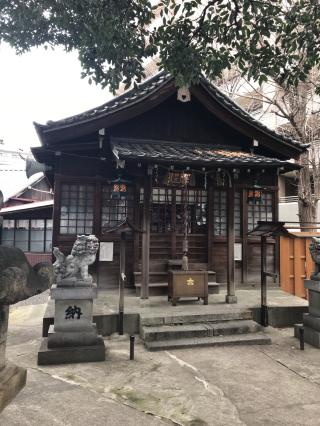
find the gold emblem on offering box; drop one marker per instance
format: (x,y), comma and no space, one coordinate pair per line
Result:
(190,281)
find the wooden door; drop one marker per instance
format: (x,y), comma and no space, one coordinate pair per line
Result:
(167,226)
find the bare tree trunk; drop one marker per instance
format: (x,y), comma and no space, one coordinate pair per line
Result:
(297,98)
(306,201)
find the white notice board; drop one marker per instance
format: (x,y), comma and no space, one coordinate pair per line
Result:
(237,251)
(106,252)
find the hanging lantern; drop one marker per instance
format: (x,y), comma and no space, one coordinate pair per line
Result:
(255,195)
(119,188)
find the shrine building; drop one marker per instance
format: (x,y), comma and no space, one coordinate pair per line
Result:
(149,156)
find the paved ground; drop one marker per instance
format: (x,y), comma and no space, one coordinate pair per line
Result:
(266,385)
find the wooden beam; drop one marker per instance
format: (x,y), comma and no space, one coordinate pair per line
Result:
(231,295)
(146,237)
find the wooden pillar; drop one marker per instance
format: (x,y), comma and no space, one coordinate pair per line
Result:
(173,226)
(146,236)
(210,227)
(244,204)
(97,208)
(56,210)
(137,222)
(122,279)
(264,306)
(231,294)
(276,250)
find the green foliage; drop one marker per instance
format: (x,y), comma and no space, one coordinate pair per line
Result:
(114,38)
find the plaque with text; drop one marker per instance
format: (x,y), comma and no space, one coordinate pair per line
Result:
(106,252)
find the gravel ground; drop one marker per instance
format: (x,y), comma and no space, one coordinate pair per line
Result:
(38,299)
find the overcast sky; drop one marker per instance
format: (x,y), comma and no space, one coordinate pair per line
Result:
(39,86)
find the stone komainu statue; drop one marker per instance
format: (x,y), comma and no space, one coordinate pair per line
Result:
(76,265)
(315,254)
(18,279)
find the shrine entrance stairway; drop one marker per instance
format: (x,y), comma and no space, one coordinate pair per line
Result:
(220,328)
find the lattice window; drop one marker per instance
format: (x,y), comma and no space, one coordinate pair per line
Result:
(260,210)
(77,205)
(220,218)
(48,238)
(197,203)
(22,234)
(30,235)
(7,234)
(161,210)
(219,213)
(37,232)
(237,214)
(116,207)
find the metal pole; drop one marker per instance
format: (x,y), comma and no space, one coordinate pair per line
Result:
(122,280)
(264,307)
(131,348)
(301,336)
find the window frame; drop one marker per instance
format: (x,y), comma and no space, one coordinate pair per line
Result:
(85,226)
(44,240)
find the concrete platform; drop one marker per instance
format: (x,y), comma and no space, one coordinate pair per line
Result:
(284,309)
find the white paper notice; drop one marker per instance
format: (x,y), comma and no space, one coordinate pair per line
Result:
(106,252)
(237,251)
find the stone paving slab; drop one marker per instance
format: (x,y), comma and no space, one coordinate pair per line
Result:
(266,385)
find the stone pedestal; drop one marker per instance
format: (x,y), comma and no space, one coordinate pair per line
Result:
(311,321)
(74,337)
(12,378)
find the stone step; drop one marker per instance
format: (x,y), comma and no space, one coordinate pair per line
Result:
(162,277)
(161,288)
(172,332)
(240,339)
(190,317)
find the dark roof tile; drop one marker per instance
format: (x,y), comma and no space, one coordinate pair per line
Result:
(193,153)
(152,85)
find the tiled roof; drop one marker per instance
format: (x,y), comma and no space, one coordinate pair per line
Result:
(228,103)
(29,206)
(127,98)
(152,85)
(190,153)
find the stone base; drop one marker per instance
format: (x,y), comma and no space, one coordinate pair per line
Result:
(311,322)
(311,336)
(68,355)
(61,339)
(231,299)
(12,380)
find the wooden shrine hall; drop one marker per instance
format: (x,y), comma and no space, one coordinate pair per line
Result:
(150,155)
